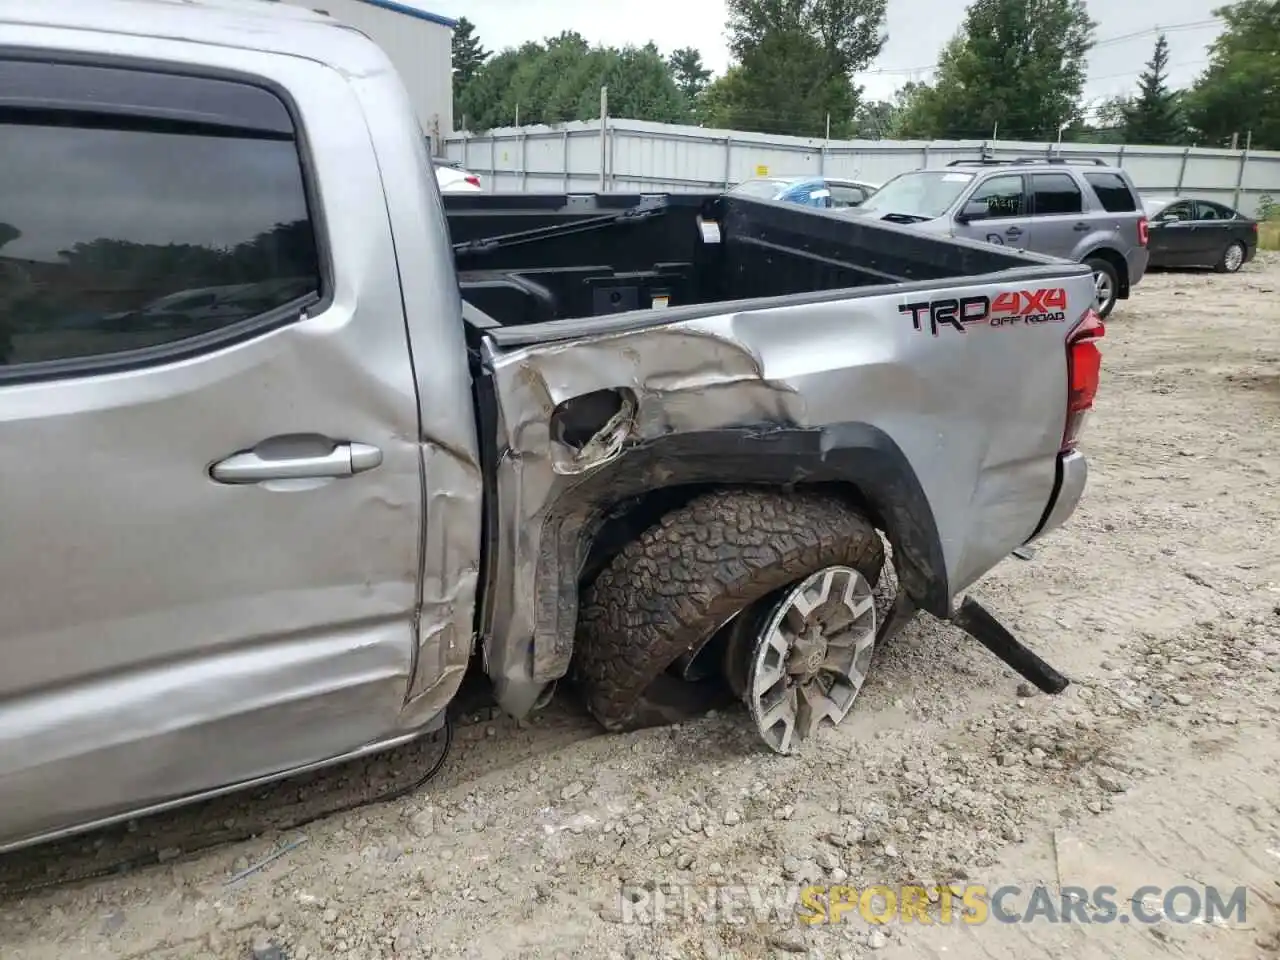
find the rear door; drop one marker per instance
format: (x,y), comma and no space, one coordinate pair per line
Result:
(996,211)
(1172,236)
(1216,227)
(211,519)
(1058,220)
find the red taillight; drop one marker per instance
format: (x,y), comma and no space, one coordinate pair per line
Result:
(1142,232)
(473,180)
(1084,365)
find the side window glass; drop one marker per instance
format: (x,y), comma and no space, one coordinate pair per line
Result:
(819,196)
(1055,193)
(117,234)
(996,197)
(1112,192)
(842,196)
(1176,211)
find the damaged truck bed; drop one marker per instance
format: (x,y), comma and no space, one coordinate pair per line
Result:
(306,442)
(635,351)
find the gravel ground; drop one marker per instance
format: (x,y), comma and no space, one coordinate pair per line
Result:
(1160,765)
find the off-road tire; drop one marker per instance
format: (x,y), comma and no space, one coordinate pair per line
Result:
(683,578)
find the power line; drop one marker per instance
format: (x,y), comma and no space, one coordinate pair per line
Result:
(1106,41)
(1156,30)
(1130,73)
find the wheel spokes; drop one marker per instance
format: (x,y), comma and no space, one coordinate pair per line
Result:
(811,656)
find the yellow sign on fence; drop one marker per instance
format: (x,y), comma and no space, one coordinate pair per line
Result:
(761,170)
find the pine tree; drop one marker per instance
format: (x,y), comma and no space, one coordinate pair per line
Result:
(1016,66)
(468,55)
(690,74)
(1154,116)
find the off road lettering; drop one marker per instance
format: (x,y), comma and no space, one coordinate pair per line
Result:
(952,312)
(1047,305)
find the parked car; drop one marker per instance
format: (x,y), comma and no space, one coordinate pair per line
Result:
(1077,209)
(536,434)
(451,177)
(1199,233)
(826,192)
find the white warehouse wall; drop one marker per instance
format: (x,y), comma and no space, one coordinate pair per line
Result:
(421,49)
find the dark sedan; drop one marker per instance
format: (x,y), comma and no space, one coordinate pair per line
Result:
(1199,233)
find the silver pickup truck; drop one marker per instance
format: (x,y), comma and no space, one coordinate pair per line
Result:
(290,442)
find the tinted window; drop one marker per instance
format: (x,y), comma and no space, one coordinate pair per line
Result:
(1177,211)
(115,237)
(1112,192)
(1055,193)
(1214,211)
(997,197)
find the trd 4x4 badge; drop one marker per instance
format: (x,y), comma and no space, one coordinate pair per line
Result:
(1047,305)
(1029,306)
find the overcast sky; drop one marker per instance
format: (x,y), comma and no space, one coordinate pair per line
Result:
(917,31)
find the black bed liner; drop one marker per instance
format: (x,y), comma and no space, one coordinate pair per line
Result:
(535,258)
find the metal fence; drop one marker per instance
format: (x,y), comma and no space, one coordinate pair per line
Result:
(634,156)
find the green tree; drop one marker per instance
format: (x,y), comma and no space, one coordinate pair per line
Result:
(716,103)
(1018,65)
(1102,123)
(1239,91)
(560,79)
(641,87)
(488,100)
(1154,116)
(689,72)
(468,57)
(882,119)
(797,60)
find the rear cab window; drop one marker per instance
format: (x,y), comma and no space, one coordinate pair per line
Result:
(155,210)
(1112,192)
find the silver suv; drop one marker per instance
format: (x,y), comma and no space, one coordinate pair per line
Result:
(1079,209)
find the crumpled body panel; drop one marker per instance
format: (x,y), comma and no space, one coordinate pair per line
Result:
(975,413)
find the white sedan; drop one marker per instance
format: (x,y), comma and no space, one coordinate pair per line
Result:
(454,179)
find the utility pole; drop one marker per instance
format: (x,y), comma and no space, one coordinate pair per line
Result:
(604,126)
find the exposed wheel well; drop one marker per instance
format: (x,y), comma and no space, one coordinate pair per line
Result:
(625,521)
(1121,266)
(603,511)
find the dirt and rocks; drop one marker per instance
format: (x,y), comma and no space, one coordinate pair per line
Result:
(1159,766)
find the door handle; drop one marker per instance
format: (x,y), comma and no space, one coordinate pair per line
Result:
(1013,232)
(1080,227)
(345,460)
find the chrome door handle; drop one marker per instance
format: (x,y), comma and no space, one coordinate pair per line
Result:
(345,460)
(1014,232)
